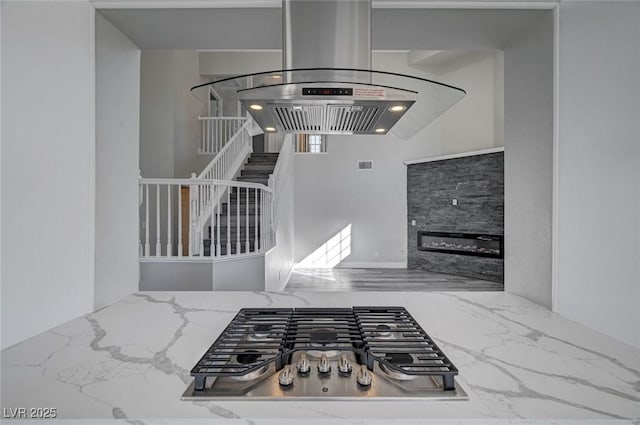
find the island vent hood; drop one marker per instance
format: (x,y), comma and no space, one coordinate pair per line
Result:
(327,86)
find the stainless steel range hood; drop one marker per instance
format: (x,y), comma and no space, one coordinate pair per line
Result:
(326,34)
(327,85)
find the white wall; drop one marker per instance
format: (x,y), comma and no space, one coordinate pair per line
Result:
(528,138)
(169,127)
(239,274)
(279,260)
(471,124)
(237,63)
(176,276)
(1,222)
(330,193)
(48,143)
(156,114)
(187,129)
(598,260)
(117,144)
(498,98)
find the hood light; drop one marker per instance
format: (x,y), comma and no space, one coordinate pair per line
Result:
(397,108)
(380,130)
(256,107)
(270,128)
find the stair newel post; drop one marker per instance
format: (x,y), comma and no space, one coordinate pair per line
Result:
(228,220)
(202,202)
(169,245)
(180,221)
(218,198)
(140,200)
(267,226)
(193,225)
(158,245)
(238,220)
(147,244)
(257,212)
(211,211)
(246,212)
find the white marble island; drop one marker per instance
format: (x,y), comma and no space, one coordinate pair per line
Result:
(131,361)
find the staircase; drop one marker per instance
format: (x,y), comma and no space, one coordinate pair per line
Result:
(238,213)
(258,168)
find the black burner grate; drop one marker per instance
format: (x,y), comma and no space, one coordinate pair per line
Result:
(393,338)
(255,338)
(322,329)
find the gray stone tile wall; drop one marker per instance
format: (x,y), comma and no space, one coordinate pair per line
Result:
(477,182)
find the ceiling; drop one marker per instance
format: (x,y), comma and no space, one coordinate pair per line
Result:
(260,28)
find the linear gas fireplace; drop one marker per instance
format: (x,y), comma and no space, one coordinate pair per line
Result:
(476,244)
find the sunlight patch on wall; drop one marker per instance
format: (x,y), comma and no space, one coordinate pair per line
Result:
(330,253)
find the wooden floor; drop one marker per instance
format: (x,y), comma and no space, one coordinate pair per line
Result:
(383,280)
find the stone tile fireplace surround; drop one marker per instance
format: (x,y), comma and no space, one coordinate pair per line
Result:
(462,195)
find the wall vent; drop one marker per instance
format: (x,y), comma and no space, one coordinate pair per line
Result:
(365,165)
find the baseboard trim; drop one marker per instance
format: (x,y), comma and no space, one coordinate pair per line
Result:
(373,265)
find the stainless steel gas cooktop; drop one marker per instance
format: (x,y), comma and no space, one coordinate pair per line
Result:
(324,354)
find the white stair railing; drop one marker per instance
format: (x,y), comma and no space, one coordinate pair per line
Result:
(170,220)
(224,166)
(217,132)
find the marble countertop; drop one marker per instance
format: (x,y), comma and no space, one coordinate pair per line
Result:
(131,360)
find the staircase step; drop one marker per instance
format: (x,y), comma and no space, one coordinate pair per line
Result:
(262,168)
(233,230)
(254,173)
(263,159)
(264,172)
(233,220)
(243,200)
(258,166)
(265,154)
(264,181)
(233,236)
(270,164)
(252,209)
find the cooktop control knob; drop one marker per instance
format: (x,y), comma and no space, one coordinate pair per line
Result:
(323,364)
(303,364)
(344,365)
(286,377)
(363,377)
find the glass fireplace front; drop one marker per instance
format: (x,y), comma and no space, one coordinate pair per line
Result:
(481,245)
